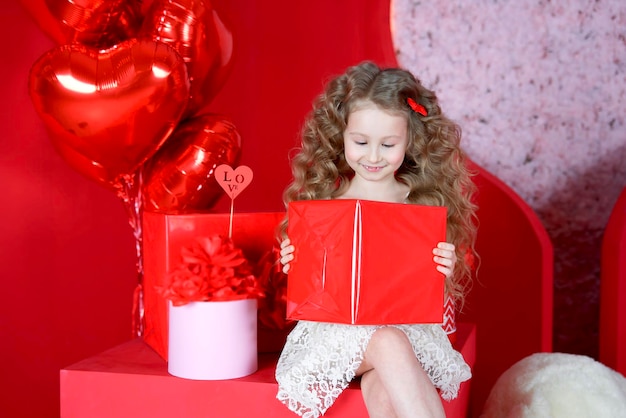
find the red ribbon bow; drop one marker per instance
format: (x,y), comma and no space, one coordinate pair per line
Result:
(417,108)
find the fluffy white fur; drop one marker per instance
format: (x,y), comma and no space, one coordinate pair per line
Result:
(555,385)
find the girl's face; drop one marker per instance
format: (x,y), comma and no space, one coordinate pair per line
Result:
(375,142)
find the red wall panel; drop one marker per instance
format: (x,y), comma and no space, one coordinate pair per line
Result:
(66,249)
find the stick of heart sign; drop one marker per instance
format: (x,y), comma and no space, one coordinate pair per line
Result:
(233,182)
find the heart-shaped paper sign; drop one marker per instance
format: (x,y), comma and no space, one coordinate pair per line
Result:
(233,181)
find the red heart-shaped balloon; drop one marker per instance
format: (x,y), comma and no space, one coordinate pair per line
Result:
(114,107)
(196,31)
(88,168)
(98,23)
(181,176)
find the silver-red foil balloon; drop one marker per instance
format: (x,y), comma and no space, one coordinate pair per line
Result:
(196,31)
(181,176)
(97,23)
(108,111)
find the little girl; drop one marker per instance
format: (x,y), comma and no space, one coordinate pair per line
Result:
(378,134)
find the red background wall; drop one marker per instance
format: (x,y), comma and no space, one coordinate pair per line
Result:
(66,249)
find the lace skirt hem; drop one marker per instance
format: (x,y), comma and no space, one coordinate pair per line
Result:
(320,359)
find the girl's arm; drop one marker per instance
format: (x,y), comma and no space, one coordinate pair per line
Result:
(445,257)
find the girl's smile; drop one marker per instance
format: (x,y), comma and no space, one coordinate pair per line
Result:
(373,169)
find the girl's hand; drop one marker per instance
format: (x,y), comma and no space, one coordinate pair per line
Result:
(286,254)
(445,257)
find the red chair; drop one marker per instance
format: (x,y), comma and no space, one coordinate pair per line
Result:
(613,289)
(511,299)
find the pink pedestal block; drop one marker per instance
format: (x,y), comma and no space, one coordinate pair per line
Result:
(132,380)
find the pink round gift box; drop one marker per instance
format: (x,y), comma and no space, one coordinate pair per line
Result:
(213,340)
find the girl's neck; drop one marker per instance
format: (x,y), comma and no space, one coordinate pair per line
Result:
(392,191)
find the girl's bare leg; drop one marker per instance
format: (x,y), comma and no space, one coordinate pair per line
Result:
(375,396)
(407,389)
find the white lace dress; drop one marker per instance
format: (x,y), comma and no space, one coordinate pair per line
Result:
(320,359)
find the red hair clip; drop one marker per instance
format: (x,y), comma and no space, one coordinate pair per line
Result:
(417,108)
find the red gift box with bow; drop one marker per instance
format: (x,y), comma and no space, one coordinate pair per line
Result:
(365,262)
(164,235)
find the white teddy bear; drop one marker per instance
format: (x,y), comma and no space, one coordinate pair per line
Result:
(557,385)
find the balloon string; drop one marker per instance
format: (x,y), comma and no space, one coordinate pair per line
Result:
(137,326)
(230,223)
(129,191)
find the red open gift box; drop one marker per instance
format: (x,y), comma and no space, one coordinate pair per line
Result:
(365,262)
(163,238)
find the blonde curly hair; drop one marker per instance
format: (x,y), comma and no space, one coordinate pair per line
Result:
(434,165)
